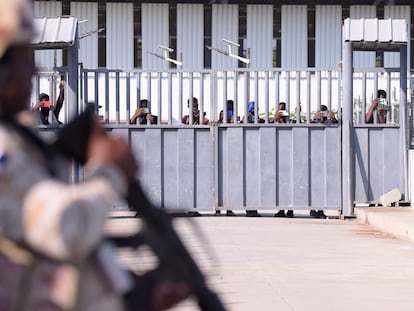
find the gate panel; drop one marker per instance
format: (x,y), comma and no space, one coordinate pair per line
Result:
(232,174)
(377,162)
(280,167)
(268,170)
(300,166)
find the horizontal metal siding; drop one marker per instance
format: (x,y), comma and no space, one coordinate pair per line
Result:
(119,36)
(397,12)
(190,35)
(47,60)
(155,27)
(294,36)
(88,52)
(225,25)
(363,59)
(260,35)
(328,36)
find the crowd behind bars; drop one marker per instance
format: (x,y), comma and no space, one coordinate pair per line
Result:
(169,100)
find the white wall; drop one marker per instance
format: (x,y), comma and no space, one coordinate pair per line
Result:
(119,36)
(154,29)
(46,60)
(294,36)
(190,35)
(260,35)
(328,36)
(88,52)
(225,24)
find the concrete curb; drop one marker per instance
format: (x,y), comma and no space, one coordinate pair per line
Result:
(397,221)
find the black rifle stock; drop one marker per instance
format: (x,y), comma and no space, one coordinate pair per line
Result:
(163,239)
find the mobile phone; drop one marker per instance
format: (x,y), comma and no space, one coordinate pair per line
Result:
(383,103)
(146,110)
(284,113)
(325,113)
(46,104)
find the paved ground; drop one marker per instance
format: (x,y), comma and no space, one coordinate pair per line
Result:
(270,263)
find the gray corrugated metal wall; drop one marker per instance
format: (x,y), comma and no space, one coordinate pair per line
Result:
(155,27)
(260,35)
(176,165)
(363,59)
(294,36)
(397,12)
(279,167)
(224,25)
(377,162)
(328,36)
(190,35)
(46,59)
(119,36)
(88,52)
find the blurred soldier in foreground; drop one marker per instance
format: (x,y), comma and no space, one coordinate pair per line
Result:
(52,253)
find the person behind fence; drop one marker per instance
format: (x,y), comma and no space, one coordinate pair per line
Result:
(51,232)
(380,106)
(251,112)
(43,107)
(281,115)
(196,114)
(143,115)
(324,116)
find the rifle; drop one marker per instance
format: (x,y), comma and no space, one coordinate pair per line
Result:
(175,262)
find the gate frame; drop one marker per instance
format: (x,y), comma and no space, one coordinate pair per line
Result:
(354,40)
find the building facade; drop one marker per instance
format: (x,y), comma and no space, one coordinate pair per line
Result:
(272,34)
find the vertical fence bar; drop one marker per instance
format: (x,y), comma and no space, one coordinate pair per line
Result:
(224,99)
(190,97)
(318,89)
(362,109)
(256,93)
(128,97)
(106,96)
(297,104)
(374,95)
(390,116)
(85,88)
(277,89)
(169,99)
(201,98)
(308,99)
(287,90)
(213,92)
(159,103)
(117,89)
(246,94)
(149,89)
(266,97)
(329,86)
(235,96)
(96,85)
(180,96)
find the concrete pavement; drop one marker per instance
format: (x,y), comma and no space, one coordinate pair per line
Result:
(270,263)
(397,221)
